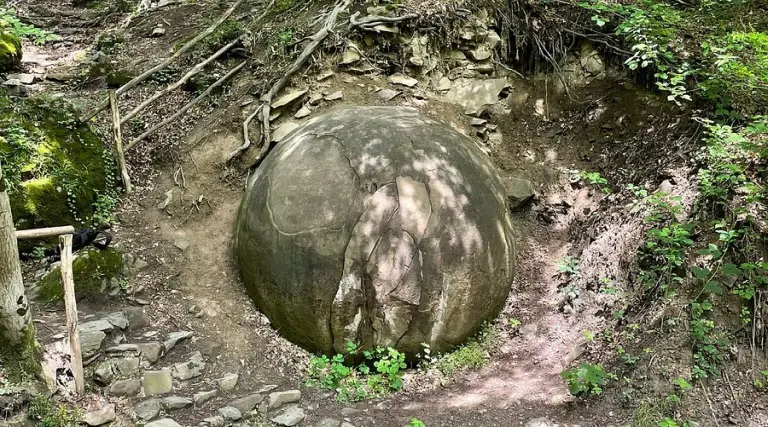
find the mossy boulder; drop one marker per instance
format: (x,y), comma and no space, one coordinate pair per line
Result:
(92,270)
(58,171)
(10,51)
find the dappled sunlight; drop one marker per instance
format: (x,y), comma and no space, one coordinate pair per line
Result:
(410,215)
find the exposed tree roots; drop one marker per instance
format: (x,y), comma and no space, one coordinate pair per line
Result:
(266,102)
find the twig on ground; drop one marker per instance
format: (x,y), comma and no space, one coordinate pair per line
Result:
(266,101)
(133,83)
(711,408)
(184,109)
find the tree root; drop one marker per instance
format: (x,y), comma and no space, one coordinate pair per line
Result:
(369,23)
(266,101)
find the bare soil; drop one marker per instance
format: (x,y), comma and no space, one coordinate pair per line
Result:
(610,126)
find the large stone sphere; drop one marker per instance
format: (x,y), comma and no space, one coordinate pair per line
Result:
(378,226)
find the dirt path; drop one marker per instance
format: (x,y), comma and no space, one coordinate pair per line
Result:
(192,282)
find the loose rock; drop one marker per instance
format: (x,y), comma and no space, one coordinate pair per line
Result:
(137,317)
(181,244)
(118,320)
(150,350)
(519,192)
(540,422)
(328,422)
(216,421)
(230,413)
(204,396)
(164,422)
(289,417)
(157,382)
(247,403)
(476,95)
(280,398)
(334,96)
(126,366)
(104,415)
(303,112)
(283,130)
(148,409)
(403,80)
(388,94)
(174,338)
(175,402)
(351,55)
(189,369)
(228,382)
(127,387)
(289,98)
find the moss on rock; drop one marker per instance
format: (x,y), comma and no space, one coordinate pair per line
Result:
(57,169)
(10,51)
(19,361)
(89,269)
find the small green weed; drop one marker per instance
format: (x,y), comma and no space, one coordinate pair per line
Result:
(595,179)
(43,412)
(472,355)
(586,379)
(415,422)
(355,383)
(568,266)
(9,21)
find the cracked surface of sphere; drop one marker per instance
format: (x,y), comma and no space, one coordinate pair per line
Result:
(379,226)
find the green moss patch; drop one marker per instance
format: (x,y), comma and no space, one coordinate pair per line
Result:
(10,51)
(57,170)
(89,269)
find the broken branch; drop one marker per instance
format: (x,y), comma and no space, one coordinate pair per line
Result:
(192,72)
(116,126)
(266,102)
(133,83)
(184,109)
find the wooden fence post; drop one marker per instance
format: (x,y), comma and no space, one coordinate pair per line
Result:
(119,141)
(65,244)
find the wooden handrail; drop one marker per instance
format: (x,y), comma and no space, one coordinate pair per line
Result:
(45,232)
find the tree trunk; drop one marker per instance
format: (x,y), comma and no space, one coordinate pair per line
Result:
(17,333)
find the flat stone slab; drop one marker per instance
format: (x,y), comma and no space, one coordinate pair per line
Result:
(157,382)
(280,398)
(291,416)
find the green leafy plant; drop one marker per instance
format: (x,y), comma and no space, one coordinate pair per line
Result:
(594,178)
(586,379)
(568,266)
(415,422)
(380,373)
(9,21)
